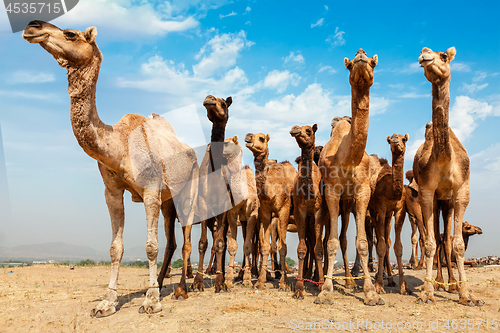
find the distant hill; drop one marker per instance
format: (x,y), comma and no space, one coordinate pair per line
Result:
(62,251)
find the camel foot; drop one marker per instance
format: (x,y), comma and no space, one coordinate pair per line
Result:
(180,292)
(379,285)
(324,297)
(240,275)
(403,287)
(107,306)
(299,287)
(284,284)
(269,277)
(467,298)
(152,302)
(247,278)
(255,271)
(453,289)
(229,279)
(220,285)
(350,284)
(390,282)
(198,283)
(426,297)
(189,272)
(372,298)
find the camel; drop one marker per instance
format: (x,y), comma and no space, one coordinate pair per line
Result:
(346,172)
(246,211)
(412,208)
(441,168)
(308,204)
(467,231)
(275,183)
(139,155)
(213,199)
(387,201)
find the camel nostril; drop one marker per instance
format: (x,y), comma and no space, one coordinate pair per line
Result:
(35,24)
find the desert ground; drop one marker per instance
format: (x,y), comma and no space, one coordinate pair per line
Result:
(52,298)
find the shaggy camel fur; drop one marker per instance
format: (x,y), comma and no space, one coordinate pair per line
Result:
(247,211)
(275,183)
(387,201)
(213,199)
(346,175)
(138,155)
(308,203)
(441,170)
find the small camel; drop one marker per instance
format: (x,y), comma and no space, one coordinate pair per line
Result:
(308,203)
(139,155)
(387,201)
(441,168)
(346,172)
(275,183)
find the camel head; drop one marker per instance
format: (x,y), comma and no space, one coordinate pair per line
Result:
(436,64)
(257,143)
(409,175)
(71,48)
(398,143)
(231,148)
(469,229)
(304,135)
(361,69)
(217,109)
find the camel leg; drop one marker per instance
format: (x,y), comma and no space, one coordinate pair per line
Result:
(398,250)
(219,251)
(168,211)
(300,221)
(378,218)
(369,236)
(332,200)
(309,259)
(232,246)
(248,245)
(256,246)
(265,248)
(202,249)
(447,246)
(414,242)
(325,242)
(422,253)
(439,247)
(390,274)
(426,199)
(284,215)
(319,217)
(466,297)
(152,204)
(345,211)
(114,201)
(274,249)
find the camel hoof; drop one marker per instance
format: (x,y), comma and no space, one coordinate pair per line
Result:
(471,304)
(371,303)
(429,301)
(419,301)
(148,310)
(479,303)
(381,302)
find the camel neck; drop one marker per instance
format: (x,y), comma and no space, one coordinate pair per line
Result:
(440,118)
(261,162)
(305,171)
(87,126)
(397,174)
(216,148)
(358,134)
(217,134)
(466,241)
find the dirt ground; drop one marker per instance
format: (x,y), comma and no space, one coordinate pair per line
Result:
(57,299)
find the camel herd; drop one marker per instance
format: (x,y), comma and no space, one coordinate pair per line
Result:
(341,178)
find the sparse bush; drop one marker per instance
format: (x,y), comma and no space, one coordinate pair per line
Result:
(290,262)
(178,263)
(86,262)
(104,263)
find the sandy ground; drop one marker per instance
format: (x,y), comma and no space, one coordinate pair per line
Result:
(57,299)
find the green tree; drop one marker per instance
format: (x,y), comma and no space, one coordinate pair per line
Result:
(178,263)
(290,262)
(86,262)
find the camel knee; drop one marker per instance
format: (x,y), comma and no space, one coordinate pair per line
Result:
(362,247)
(282,249)
(232,248)
(247,248)
(332,246)
(152,249)
(202,245)
(301,250)
(116,251)
(430,248)
(318,250)
(458,247)
(219,246)
(186,248)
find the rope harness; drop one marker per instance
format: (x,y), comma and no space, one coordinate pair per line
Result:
(445,284)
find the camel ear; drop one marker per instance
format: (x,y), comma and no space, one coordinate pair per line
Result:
(451,53)
(407,137)
(388,139)
(90,34)
(347,63)
(235,139)
(374,61)
(268,137)
(315,128)
(229,101)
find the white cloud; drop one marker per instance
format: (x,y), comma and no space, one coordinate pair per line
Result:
(414,95)
(379,105)
(416,141)
(485,168)
(293,59)
(337,39)
(326,7)
(230,14)
(129,19)
(398,86)
(31,77)
(471,88)
(318,23)
(460,67)
(412,68)
(465,113)
(480,76)
(328,69)
(280,80)
(220,52)
(248,9)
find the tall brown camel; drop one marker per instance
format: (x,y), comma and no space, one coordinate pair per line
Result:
(213,197)
(387,201)
(275,183)
(138,155)
(414,211)
(346,171)
(308,204)
(441,170)
(244,191)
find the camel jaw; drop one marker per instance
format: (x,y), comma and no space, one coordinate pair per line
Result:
(249,145)
(35,39)
(295,131)
(425,59)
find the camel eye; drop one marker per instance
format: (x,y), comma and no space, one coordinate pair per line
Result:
(261,139)
(444,56)
(223,105)
(308,132)
(69,34)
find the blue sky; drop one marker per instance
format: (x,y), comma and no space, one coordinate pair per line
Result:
(283,64)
